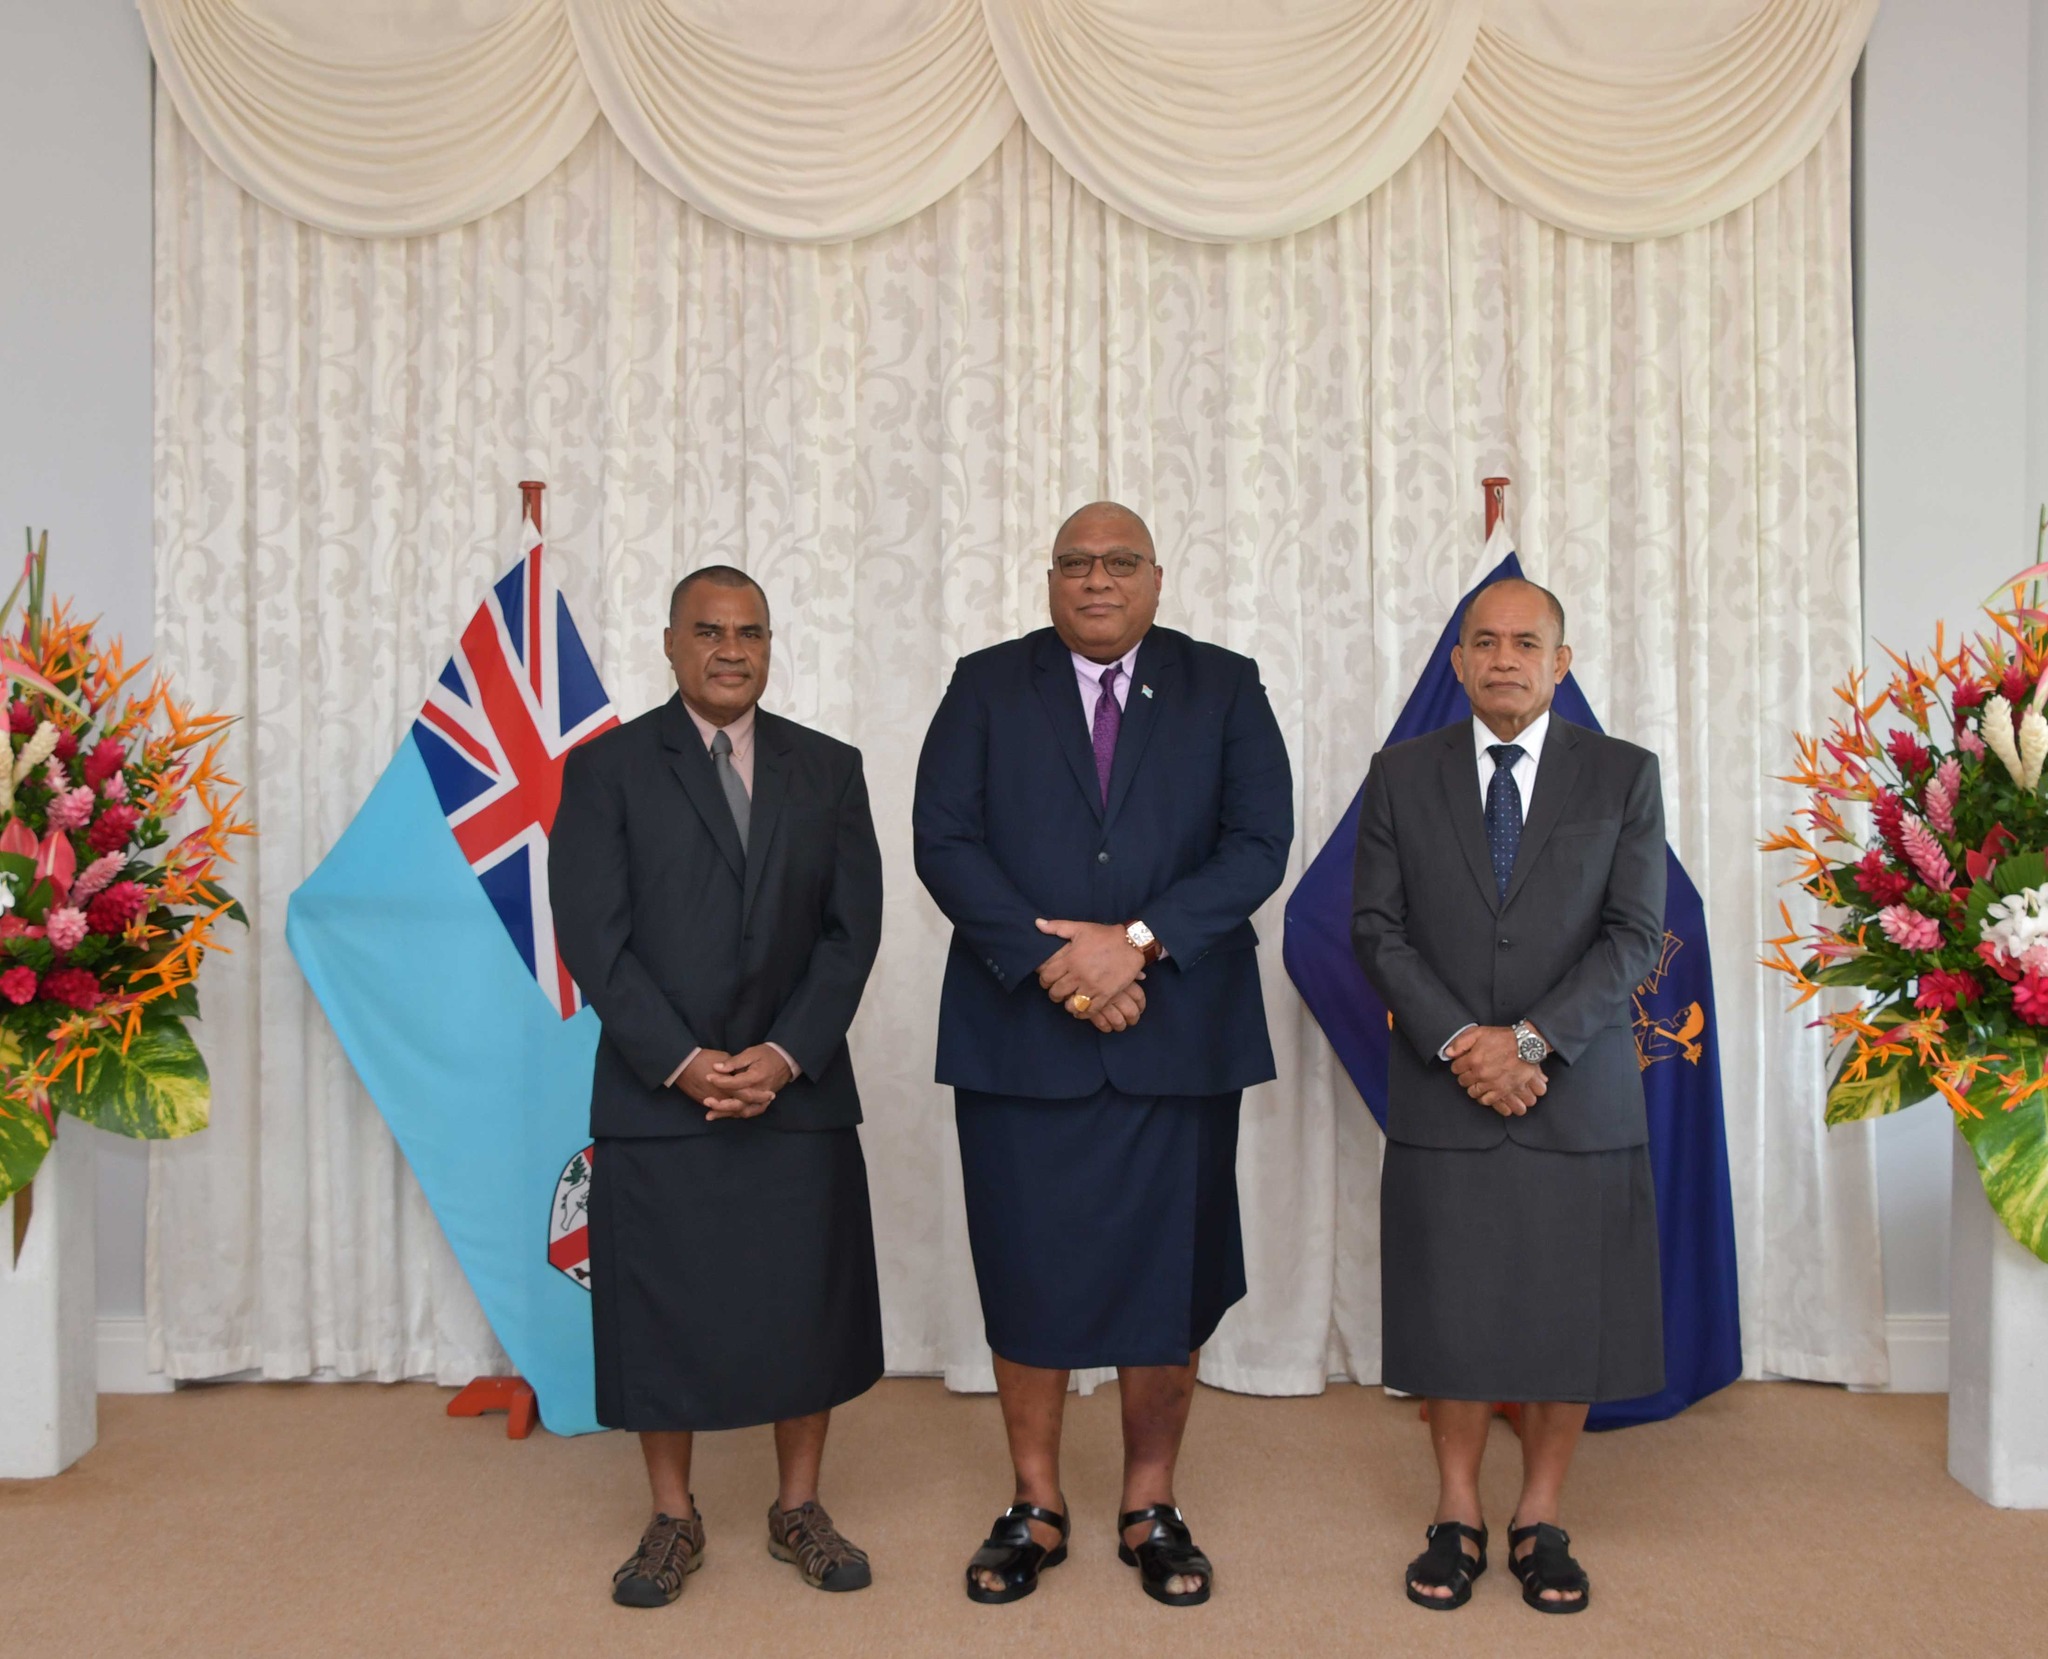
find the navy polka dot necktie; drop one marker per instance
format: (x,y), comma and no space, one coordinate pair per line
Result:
(1503,813)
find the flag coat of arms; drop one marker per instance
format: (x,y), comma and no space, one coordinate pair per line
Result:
(427,937)
(1676,1046)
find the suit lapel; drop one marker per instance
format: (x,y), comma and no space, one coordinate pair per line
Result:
(1154,679)
(1060,691)
(691,763)
(771,788)
(1556,773)
(1460,776)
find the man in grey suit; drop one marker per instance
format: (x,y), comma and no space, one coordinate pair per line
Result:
(1508,898)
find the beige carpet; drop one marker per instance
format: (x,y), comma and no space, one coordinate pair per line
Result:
(287,1520)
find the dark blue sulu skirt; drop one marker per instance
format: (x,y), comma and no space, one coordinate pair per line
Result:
(1105,1230)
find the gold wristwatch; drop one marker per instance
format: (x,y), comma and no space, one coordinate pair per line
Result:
(1139,937)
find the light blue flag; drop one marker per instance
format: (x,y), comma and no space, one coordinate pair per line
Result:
(426,936)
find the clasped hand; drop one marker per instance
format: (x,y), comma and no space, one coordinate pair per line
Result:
(1101,964)
(741,1085)
(1487,1067)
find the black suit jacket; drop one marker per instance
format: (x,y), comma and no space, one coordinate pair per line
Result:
(681,942)
(1009,825)
(1582,924)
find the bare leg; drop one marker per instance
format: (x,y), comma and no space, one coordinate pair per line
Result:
(1034,1409)
(799,1450)
(667,1455)
(1550,1434)
(1156,1400)
(1457,1434)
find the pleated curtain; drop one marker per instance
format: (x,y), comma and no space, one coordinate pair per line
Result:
(886,432)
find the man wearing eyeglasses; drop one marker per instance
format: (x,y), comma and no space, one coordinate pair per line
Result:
(1101,805)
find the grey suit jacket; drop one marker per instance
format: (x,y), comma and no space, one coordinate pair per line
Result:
(1582,924)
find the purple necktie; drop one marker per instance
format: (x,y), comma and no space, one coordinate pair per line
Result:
(1109,719)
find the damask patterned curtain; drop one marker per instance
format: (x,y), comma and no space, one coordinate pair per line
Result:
(886,432)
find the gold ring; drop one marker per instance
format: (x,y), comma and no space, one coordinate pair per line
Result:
(1079,1002)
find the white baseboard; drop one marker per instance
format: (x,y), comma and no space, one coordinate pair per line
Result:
(1918,1346)
(124,1360)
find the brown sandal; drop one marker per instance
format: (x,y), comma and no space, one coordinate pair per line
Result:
(670,1550)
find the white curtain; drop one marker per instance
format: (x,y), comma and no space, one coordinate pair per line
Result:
(820,120)
(886,433)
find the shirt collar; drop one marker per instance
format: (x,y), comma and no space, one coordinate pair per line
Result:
(740,730)
(1092,671)
(1531,740)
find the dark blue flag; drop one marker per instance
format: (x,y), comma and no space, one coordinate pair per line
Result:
(1675,1026)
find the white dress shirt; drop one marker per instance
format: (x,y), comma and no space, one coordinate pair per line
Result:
(1531,744)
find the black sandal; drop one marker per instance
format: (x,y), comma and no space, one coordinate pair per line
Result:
(1445,1565)
(1549,1566)
(1014,1555)
(1165,1553)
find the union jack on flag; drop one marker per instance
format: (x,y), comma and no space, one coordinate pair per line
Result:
(517,696)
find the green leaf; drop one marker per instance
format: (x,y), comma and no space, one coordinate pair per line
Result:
(1864,969)
(211,893)
(2012,1156)
(24,1139)
(2021,871)
(1879,1094)
(158,1090)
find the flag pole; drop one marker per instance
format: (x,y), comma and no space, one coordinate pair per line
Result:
(512,1395)
(1492,490)
(1495,488)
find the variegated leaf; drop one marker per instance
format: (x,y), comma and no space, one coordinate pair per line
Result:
(157,1090)
(24,1139)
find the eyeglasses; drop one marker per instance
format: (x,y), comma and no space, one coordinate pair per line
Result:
(1075,567)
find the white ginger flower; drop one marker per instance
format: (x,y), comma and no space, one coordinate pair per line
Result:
(38,749)
(2033,749)
(1996,730)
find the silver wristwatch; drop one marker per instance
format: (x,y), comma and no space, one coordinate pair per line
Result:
(1529,1043)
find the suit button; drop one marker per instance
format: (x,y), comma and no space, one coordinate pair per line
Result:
(1507,944)
(1102,858)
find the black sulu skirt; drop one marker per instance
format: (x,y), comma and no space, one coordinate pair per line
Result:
(1512,1273)
(732,1277)
(1105,1230)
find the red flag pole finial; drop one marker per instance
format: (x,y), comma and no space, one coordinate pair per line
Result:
(530,491)
(1494,488)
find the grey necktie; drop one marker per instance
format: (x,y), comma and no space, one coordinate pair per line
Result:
(729,781)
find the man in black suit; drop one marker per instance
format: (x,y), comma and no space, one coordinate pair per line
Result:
(1101,805)
(1508,898)
(718,896)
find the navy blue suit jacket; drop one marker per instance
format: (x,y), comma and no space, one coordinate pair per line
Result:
(1009,825)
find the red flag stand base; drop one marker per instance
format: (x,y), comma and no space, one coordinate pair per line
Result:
(511,1395)
(1510,1409)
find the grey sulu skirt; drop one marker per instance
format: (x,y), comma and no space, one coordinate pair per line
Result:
(1512,1273)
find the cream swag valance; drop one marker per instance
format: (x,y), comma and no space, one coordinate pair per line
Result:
(821,120)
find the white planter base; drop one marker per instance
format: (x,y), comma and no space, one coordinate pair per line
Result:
(49,1348)
(1998,1351)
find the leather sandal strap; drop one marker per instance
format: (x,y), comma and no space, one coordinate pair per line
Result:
(1031,1512)
(1458,1529)
(1165,1512)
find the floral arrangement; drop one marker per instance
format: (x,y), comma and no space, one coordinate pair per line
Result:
(1939,913)
(104,918)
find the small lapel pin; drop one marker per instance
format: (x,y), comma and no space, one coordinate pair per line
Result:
(1145,690)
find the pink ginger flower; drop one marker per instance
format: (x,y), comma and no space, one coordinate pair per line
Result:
(115,788)
(66,926)
(2030,999)
(97,875)
(1926,855)
(1903,926)
(71,809)
(1971,744)
(1939,797)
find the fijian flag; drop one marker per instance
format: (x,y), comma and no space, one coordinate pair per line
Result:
(426,935)
(1675,1030)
